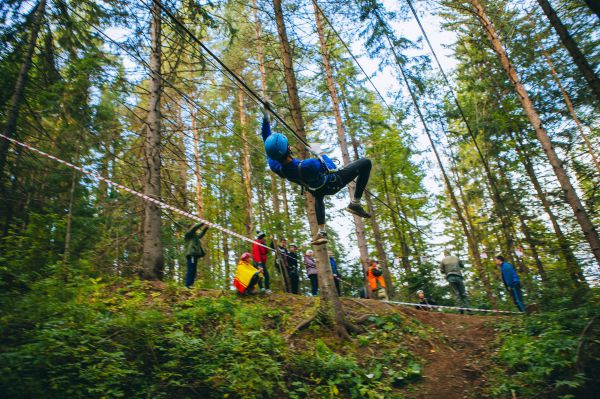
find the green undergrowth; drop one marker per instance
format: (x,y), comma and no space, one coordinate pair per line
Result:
(548,355)
(130,339)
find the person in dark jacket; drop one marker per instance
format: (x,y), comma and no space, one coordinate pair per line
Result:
(424,302)
(335,271)
(318,175)
(193,251)
(259,256)
(511,280)
(292,270)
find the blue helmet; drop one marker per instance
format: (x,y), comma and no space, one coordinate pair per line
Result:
(312,172)
(276,146)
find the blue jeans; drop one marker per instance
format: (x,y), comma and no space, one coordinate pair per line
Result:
(192,267)
(517,296)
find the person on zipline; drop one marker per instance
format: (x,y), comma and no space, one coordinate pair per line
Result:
(317,175)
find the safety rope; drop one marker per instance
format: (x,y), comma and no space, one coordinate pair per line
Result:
(450,307)
(136,193)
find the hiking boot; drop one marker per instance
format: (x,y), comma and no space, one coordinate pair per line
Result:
(320,238)
(358,210)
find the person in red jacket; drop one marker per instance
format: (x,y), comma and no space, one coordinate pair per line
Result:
(259,255)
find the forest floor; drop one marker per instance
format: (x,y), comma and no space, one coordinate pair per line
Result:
(455,351)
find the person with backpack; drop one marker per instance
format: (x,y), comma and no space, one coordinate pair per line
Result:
(193,252)
(318,176)
(246,275)
(511,281)
(376,281)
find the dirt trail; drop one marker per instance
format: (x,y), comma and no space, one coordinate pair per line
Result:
(456,367)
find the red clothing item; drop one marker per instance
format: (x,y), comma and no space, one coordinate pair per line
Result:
(259,253)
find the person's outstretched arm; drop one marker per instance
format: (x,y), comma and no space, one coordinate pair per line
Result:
(203,232)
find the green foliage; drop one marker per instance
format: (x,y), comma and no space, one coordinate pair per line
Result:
(542,355)
(98,339)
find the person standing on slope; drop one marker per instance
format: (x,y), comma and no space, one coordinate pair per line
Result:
(317,175)
(511,281)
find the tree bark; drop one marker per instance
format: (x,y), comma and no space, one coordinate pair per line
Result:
(17,96)
(567,99)
(472,244)
(152,256)
(341,136)
(594,5)
(405,249)
(330,305)
(579,58)
(246,169)
(198,137)
(565,247)
(589,230)
(382,255)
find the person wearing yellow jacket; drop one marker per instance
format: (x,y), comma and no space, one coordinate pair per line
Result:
(376,281)
(246,275)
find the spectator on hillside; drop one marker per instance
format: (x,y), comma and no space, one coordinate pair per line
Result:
(511,281)
(193,251)
(424,302)
(311,270)
(259,255)
(293,272)
(282,262)
(335,271)
(246,275)
(451,268)
(376,281)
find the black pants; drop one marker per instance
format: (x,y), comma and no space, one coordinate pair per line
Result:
(192,266)
(267,277)
(517,296)
(337,286)
(360,168)
(314,284)
(255,279)
(294,281)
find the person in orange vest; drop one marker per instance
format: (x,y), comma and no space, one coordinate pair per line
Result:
(376,281)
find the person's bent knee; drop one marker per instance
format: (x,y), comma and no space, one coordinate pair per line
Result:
(366,163)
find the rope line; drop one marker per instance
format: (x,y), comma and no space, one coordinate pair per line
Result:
(144,197)
(451,307)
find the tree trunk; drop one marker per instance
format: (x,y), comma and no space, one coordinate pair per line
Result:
(246,170)
(594,5)
(572,198)
(582,63)
(67,252)
(472,244)
(565,247)
(330,305)
(567,99)
(399,233)
(383,259)
(17,96)
(341,136)
(286,209)
(152,257)
(198,137)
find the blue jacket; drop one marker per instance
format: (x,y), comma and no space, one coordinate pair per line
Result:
(334,268)
(509,275)
(290,170)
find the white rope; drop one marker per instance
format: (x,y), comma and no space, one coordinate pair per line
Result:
(136,193)
(451,307)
